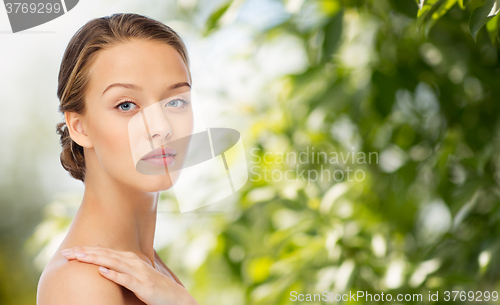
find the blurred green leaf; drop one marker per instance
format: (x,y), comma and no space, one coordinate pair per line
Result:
(214,18)
(463,3)
(430,12)
(333,33)
(492,26)
(480,16)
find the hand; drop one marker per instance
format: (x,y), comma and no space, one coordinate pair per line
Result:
(131,272)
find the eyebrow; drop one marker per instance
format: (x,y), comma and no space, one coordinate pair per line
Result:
(139,88)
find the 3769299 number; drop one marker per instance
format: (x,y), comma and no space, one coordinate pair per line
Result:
(32,8)
(477,296)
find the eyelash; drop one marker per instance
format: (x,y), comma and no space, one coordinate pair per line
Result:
(178,99)
(125,102)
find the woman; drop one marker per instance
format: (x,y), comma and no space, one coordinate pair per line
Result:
(115,69)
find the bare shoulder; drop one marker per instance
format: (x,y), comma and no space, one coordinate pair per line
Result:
(73,282)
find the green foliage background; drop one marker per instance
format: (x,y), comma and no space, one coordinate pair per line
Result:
(410,83)
(415,82)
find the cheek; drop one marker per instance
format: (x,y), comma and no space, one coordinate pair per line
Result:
(110,138)
(182,124)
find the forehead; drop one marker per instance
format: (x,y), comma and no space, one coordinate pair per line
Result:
(137,61)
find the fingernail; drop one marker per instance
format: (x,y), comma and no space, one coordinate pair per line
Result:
(79,254)
(66,252)
(103,269)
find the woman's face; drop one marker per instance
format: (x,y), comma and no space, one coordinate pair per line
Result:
(138,101)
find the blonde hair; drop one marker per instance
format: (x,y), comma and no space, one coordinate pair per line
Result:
(96,35)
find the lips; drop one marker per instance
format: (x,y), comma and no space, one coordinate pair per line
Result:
(161,156)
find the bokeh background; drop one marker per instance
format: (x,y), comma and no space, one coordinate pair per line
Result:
(416,83)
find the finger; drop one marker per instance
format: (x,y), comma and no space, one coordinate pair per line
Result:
(127,254)
(129,257)
(126,280)
(70,254)
(109,262)
(98,250)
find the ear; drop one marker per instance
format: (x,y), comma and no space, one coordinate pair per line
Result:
(76,131)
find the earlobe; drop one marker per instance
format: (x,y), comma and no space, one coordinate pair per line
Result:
(76,131)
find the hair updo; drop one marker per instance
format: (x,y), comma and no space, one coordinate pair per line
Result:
(99,34)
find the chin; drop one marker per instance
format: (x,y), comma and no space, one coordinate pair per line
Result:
(156,183)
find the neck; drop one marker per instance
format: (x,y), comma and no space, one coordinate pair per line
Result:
(116,216)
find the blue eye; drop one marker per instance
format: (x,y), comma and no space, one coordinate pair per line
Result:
(176,103)
(126,106)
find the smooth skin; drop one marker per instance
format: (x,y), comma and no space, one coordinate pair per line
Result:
(115,224)
(128,270)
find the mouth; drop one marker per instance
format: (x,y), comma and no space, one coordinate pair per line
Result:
(161,156)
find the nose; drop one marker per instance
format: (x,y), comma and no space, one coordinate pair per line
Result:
(156,122)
